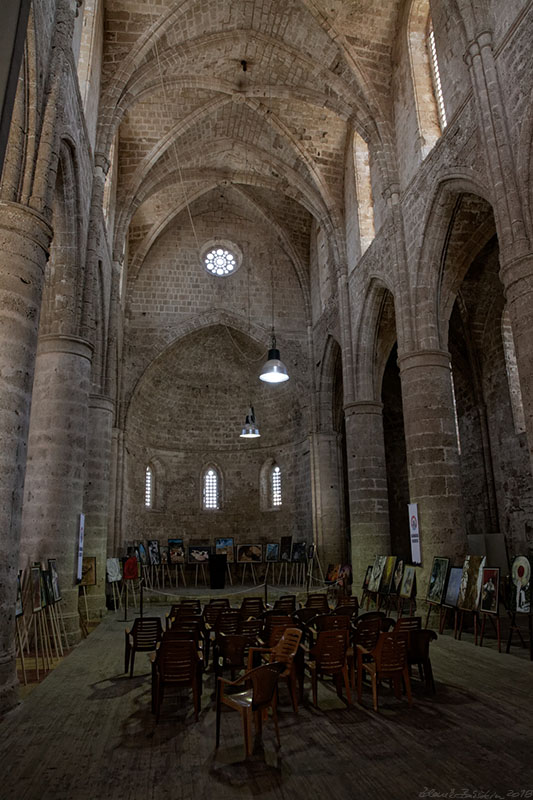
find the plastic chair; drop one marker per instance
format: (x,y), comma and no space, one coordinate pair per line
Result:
(387,660)
(255,700)
(365,632)
(176,663)
(318,601)
(251,607)
(142,637)
(284,653)
(418,653)
(329,656)
(285,604)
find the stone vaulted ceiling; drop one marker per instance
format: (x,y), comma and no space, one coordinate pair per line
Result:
(261,95)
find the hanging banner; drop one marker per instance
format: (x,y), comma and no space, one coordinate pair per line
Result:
(415,533)
(80,546)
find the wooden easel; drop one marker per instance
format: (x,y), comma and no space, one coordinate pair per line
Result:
(20,649)
(116,595)
(246,564)
(495,622)
(433,607)
(198,567)
(513,627)
(229,574)
(282,565)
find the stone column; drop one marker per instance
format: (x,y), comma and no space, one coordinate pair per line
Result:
(97,490)
(367,477)
(24,241)
(55,474)
(330,534)
(432,456)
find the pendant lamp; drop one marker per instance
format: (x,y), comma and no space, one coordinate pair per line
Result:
(250,429)
(274,370)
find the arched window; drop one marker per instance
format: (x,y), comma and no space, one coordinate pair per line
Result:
(363,188)
(511,367)
(148,487)
(275,484)
(211,490)
(425,76)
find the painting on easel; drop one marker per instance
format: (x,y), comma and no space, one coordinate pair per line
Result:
(113,570)
(19,608)
(285,548)
(521,578)
(388,574)
(54,577)
(224,546)
(154,557)
(437,580)
(36,588)
(88,571)
(176,551)
(199,553)
(142,554)
(163,553)
(470,589)
(49,591)
(272,551)
(366,579)
(490,586)
(249,553)
(299,552)
(397,577)
(453,586)
(408,583)
(377,572)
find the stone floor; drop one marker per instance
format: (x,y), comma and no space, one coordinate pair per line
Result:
(86,732)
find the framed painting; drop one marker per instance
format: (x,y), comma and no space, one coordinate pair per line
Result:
(113,570)
(88,571)
(470,588)
(143,555)
(49,591)
(163,553)
(377,572)
(199,553)
(437,580)
(490,589)
(272,551)
(451,595)
(19,608)
(310,552)
(333,573)
(407,588)
(249,553)
(36,588)
(52,569)
(521,585)
(176,551)
(285,548)
(388,573)
(366,579)
(299,550)
(154,559)
(397,577)
(225,546)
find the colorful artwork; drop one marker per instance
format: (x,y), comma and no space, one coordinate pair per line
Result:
(113,570)
(285,548)
(407,589)
(154,558)
(521,579)
(490,587)
(142,554)
(437,580)
(163,553)
(225,547)
(452,589)
(333,572)
(368,573)
(272,551)
(470,588)
(199,553)
(397,577)
(88,571)
(299,552)
(345,575)
(176,551)
(377,572)
(249,553)
(388,573)
(52,568)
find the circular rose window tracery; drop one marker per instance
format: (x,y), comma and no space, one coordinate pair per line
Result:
(221,258)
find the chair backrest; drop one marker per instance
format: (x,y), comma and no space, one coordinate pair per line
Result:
(252,607)
(251,628)
(332,622)
(390,654)
(350,612)
(286,648)
(317,601)
(233,649)
(177,660)
(347,600)
(194,605)
(418,645)
(227,622)
(264,681)
(306,615)
(146,633)
(330,649)
(372,615)
(286,602)
(366,632)
(275,624)
(213,609)
(408,624)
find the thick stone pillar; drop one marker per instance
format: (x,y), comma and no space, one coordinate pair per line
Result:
(24,241)
(329,527)
(97,490)
(367,478)
(432,456)
(55,474)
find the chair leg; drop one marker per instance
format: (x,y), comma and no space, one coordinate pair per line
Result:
(347,685)
(195,699)
(159,699)
(218,717)
(375,691)
(408,686)
(127,654)
(314,684)
(291,680)
(275,720)
(359,682)
(247,730)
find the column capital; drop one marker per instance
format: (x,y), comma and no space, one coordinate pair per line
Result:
(363,407)
(424,358)
(63,343)
(25,221)
(515,270)
(476,45)
(102,402)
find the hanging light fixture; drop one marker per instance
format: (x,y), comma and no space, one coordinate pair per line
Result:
(250,429)
(274,371)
